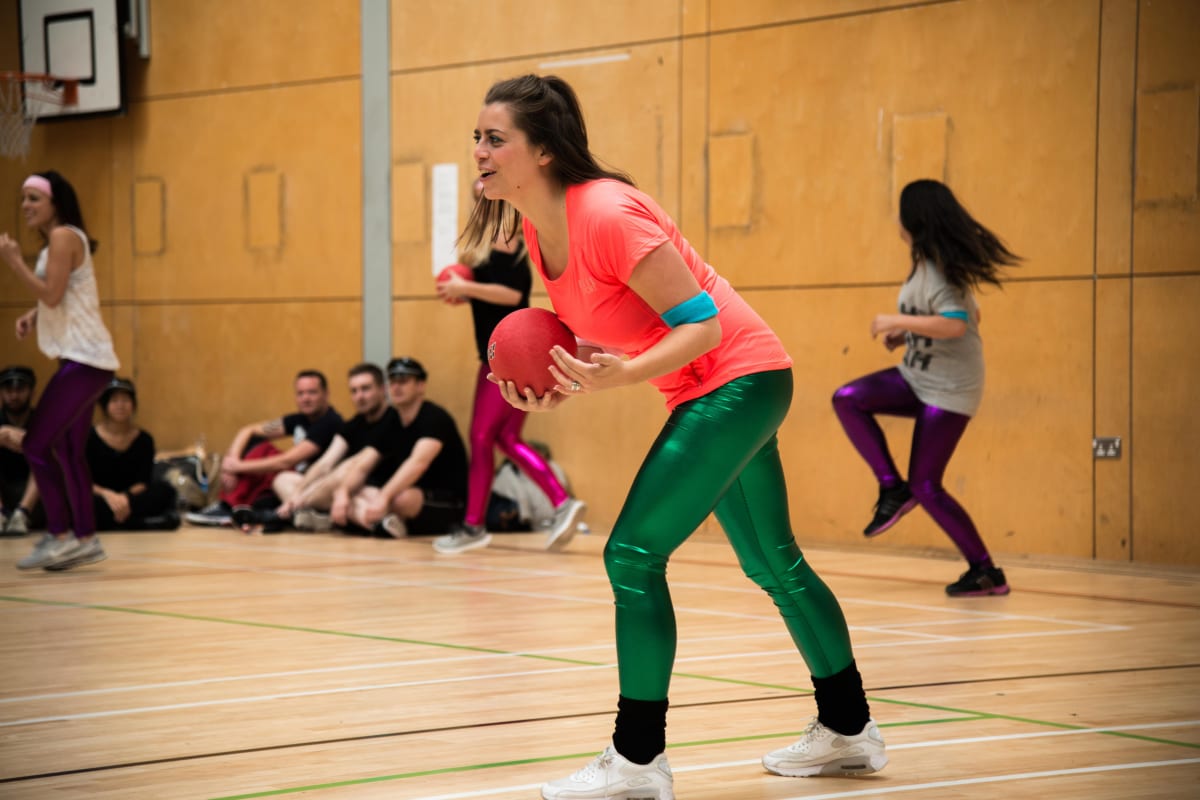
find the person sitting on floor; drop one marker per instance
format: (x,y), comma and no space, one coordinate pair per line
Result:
(121,457)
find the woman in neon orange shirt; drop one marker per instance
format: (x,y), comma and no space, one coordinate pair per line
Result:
(620,274)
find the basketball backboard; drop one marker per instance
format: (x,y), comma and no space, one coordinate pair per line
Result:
(75,39)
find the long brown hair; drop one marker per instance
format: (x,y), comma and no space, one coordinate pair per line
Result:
(547,111)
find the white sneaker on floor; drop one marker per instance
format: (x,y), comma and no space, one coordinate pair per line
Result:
(566,521)
(17,524)
(214,515)
(462,539)
(822,751)
(311,520)
(86,551)
(611,776)
(393,526)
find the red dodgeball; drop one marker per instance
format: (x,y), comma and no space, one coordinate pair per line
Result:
(519,350)
(461,270)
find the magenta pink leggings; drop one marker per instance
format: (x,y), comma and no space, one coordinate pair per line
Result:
(494,423)
(55,446)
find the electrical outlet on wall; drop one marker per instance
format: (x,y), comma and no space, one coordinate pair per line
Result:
(1106,447)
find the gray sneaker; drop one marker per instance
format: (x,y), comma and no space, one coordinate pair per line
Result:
(17,525)
(86,551)
(823,751)
(462,539)
(214,515)
(566,520)
(48,549)
(311,520)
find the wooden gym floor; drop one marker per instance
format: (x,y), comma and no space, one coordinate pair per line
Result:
(207,664)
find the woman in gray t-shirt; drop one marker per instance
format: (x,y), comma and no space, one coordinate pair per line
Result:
(939,382)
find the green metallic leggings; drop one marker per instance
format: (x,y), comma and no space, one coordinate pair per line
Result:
(717,453)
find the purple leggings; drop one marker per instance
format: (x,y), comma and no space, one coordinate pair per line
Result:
(494,423)
(55,443)
(935,436)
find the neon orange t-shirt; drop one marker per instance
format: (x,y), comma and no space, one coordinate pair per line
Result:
(612,226)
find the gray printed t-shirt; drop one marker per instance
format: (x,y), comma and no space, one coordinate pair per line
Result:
(946,373)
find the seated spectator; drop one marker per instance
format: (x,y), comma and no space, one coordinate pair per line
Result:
(121,458)
(517,503)
(308,496)
(419,485)
(253,462)
(19,507)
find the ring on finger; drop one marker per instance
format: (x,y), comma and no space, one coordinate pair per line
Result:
(576,386)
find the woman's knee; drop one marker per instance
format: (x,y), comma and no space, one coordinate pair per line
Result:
(846,398)
(632,566)
(925,490)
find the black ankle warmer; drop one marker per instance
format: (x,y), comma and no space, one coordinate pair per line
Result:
(841,701)
(641,729)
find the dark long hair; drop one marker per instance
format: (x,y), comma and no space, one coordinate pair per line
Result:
(943,232)
(547,111)
(66,203)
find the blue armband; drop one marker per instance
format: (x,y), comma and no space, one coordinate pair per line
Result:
(955,315)
(694,309)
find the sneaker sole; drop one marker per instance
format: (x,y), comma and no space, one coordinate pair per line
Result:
(631,794)
(475,545)
(995,590)
(90,558)
(853,765)
(904,509)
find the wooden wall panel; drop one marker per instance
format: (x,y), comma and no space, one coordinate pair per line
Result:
(218,45)
(728,14)
(1113,418)
(211,368)
(203,151)
(1167,215)
(1165,430)
(825,131)
(458,32)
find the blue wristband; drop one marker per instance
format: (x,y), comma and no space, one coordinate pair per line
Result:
(955,315)
(694,309)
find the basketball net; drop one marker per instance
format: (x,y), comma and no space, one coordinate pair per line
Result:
(23,97)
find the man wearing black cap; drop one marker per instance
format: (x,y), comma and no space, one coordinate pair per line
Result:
(421,487)
(18,491)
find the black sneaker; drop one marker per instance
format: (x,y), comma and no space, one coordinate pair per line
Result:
(257,520)
(979,582)
(893,504)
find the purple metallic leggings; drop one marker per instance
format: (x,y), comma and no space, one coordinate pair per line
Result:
(55,443)
(494,423)
(935,436)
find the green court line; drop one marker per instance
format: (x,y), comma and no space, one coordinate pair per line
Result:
(961,715)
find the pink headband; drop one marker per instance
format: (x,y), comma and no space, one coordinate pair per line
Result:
(39,183)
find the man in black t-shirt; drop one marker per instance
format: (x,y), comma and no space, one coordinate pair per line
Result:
(419,485)
(18,491)
(253,465)
(357,448)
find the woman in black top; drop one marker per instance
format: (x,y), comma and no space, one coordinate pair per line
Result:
(121,456)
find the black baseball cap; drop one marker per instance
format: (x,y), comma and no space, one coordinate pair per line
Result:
(18,375)
(406,366)
(118,385)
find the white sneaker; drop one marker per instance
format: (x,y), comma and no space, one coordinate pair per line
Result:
(86,551)
(566,520)
(462,539)
(17,524)
(49,549)
(311,520)
(393,526)
(821,751)
(611,776)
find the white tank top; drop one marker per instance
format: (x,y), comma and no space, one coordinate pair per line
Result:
(73,329)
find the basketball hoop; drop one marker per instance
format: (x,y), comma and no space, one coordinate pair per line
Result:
(23,98)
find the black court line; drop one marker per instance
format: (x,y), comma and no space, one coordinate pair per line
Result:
(783,695)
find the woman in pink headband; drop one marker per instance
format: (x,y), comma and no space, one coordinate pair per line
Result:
(69,329)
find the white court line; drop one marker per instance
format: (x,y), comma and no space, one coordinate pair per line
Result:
(911,787)
(289,695)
